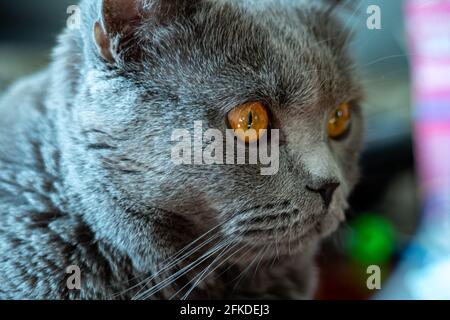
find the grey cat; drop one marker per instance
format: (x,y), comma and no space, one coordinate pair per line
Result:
(86,177)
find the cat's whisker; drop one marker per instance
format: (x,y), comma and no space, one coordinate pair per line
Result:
(214,251)
(199,238)
(213,270)
(173,261)
(355,23)
(244,256)
(168,266)
(239,278)
(226,270)
(177,261)
(276,243)
(199,277)
(264,250)
(393,56)
(274,258)
(189,253)
(179,273)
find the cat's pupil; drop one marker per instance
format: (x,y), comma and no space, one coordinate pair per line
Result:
(250,120)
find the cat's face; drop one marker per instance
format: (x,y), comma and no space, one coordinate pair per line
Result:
(197,62)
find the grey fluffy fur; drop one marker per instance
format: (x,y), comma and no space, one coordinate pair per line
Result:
(85,171)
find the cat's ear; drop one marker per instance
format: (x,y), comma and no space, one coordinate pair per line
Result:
(118,28)
(117,20)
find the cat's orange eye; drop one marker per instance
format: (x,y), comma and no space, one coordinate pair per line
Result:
(339,121)
(249,121)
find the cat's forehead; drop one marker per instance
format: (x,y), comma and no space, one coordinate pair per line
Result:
(289,20)
(270,52)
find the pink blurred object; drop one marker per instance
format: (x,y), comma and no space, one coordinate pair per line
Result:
(428,25)
(425,270)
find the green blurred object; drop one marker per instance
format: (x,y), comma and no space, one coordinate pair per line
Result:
(371,239)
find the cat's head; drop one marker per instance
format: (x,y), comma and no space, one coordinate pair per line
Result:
(150,67)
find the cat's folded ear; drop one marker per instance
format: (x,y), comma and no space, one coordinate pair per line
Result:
(122,22)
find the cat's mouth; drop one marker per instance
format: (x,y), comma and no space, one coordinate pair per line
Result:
(284,233)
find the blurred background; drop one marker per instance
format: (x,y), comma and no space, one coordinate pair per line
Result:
(385,210)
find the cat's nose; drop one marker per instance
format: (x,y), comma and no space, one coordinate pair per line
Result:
(325,190)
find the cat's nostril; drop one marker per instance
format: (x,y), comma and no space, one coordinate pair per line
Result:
(326,191)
